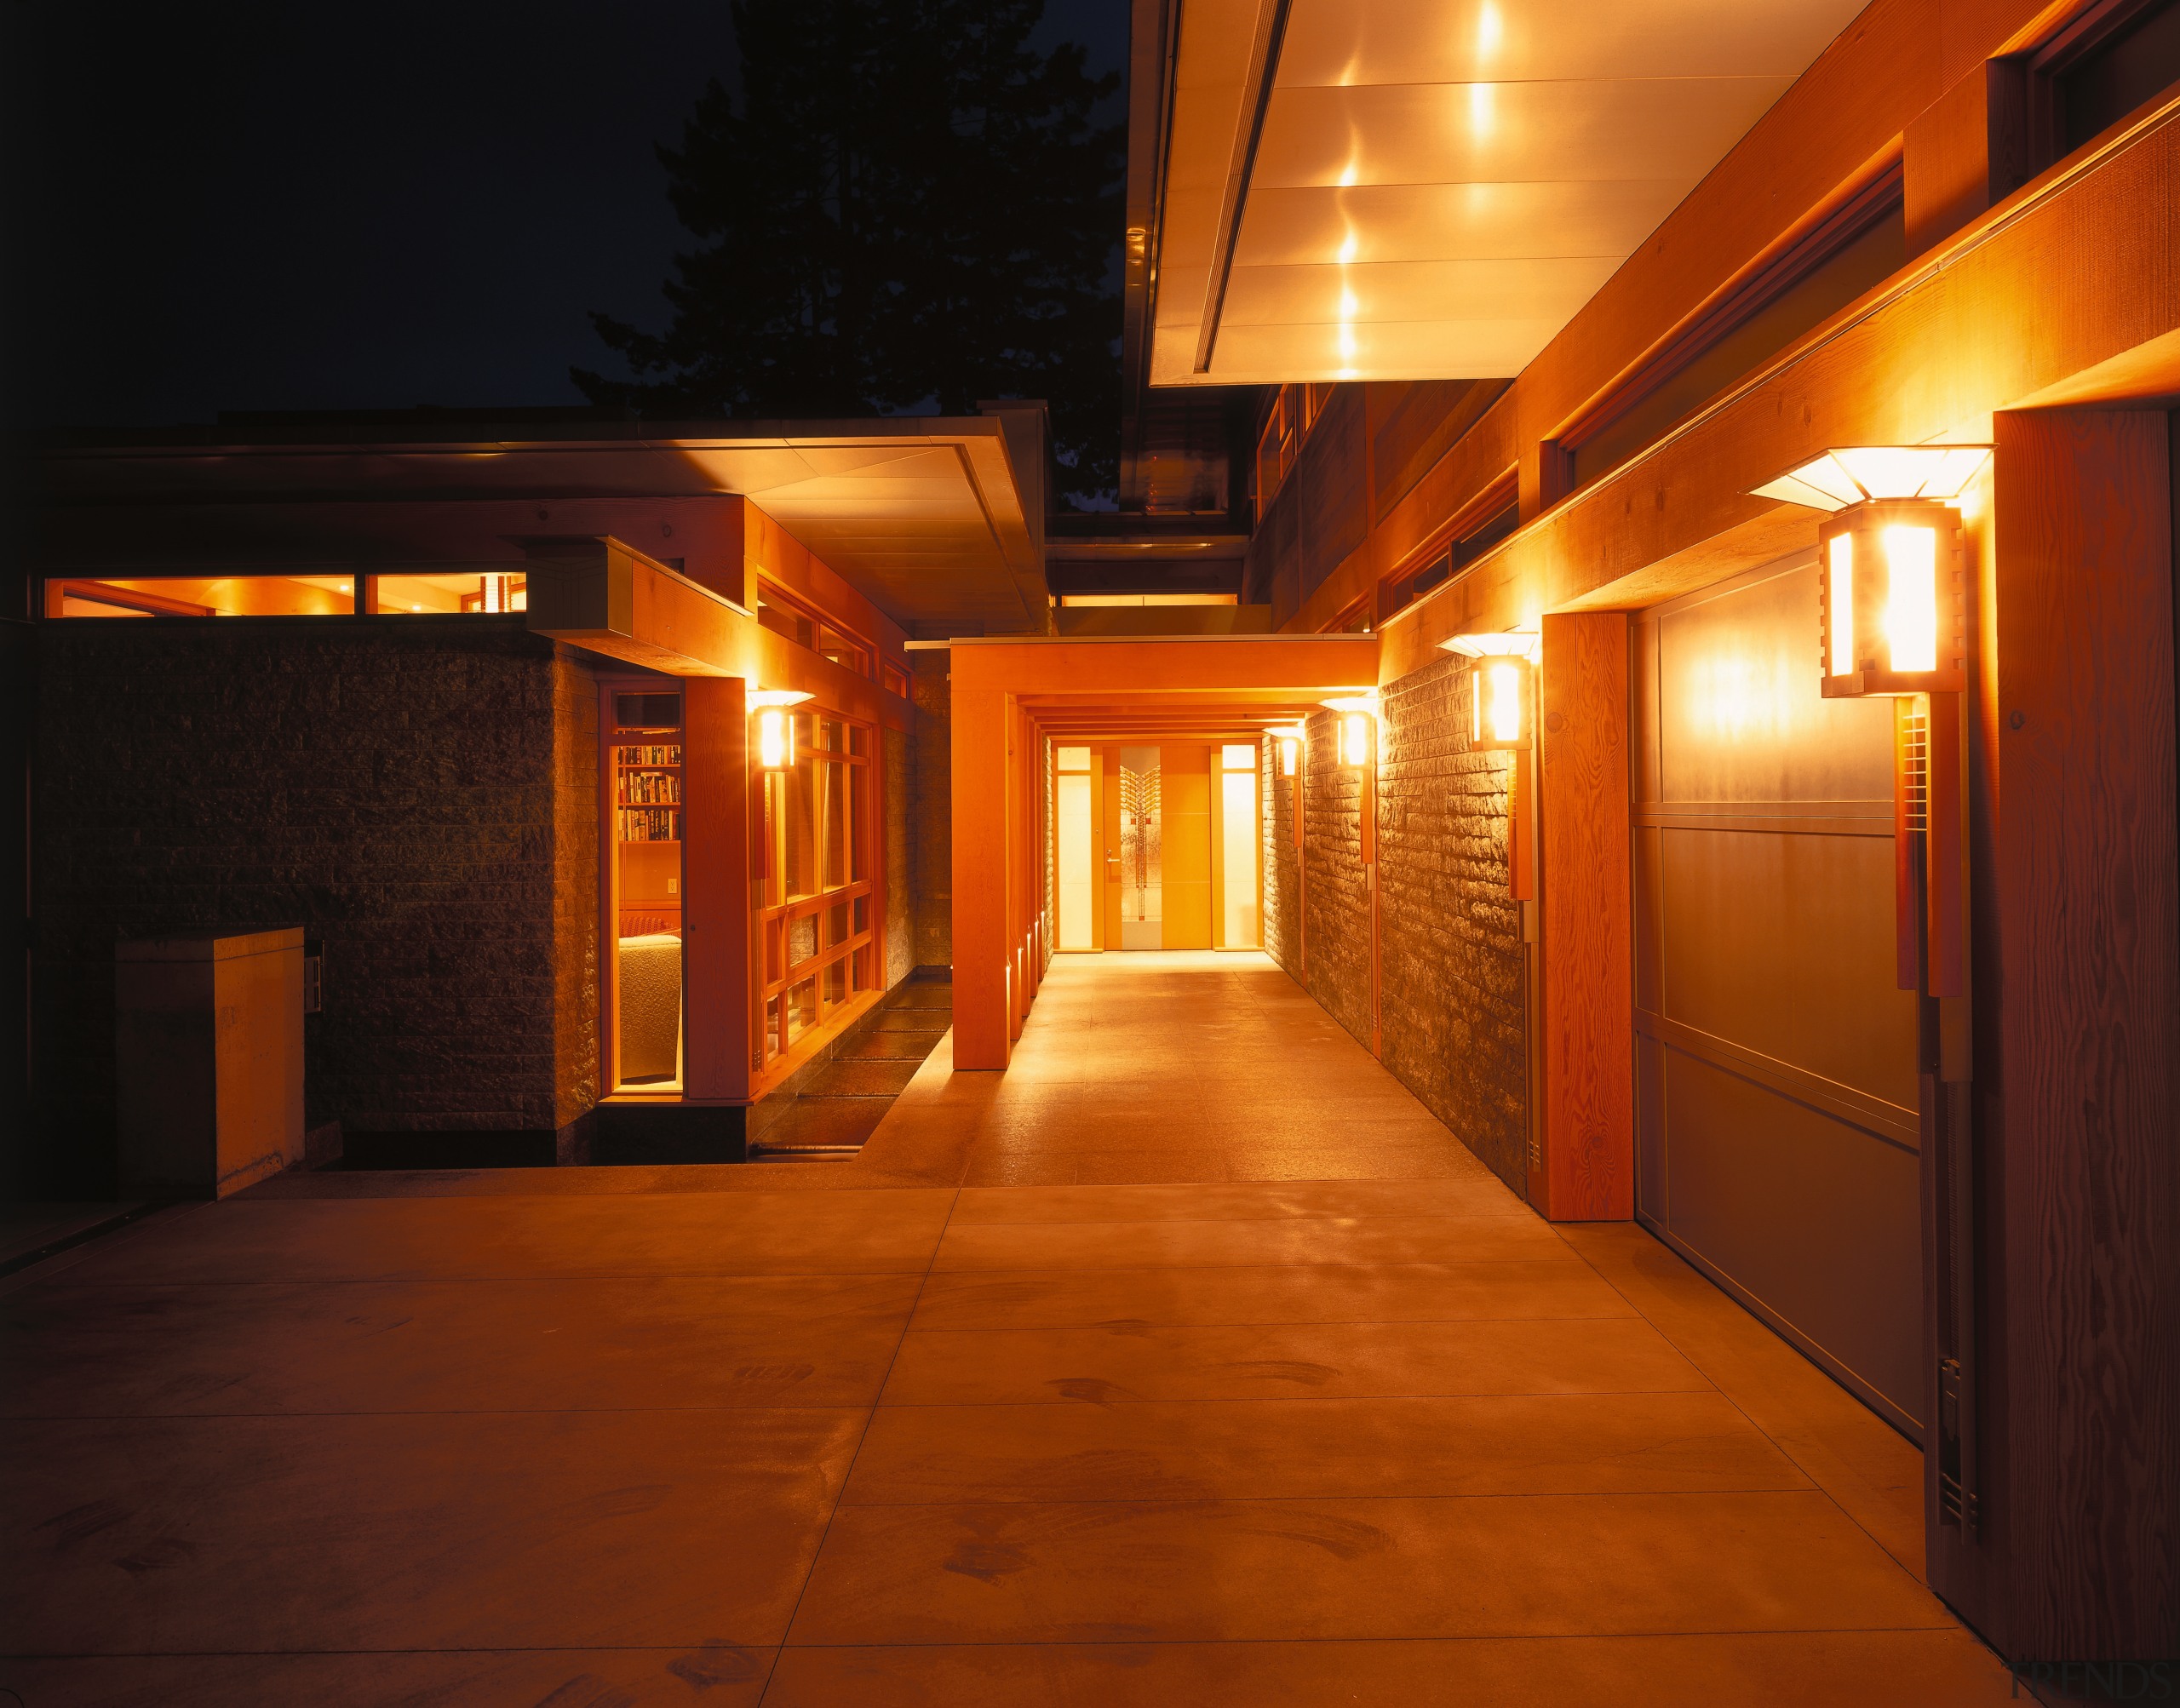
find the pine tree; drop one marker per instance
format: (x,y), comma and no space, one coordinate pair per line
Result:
(907,207)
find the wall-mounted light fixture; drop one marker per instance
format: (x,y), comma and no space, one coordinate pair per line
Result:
(775,725)
(1358,726)
(1892,606)
(1502,688)
(1290,749)
(1502,713)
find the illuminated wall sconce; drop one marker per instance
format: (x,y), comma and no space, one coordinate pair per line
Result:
(1290,750)
(1501,689)
(1358,726)
(1891,602)
(775,725)
(1893,623)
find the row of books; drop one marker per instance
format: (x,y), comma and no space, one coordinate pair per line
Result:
(649,789)
(648,756)
(651,824)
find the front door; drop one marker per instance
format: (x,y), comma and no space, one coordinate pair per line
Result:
(1157,847)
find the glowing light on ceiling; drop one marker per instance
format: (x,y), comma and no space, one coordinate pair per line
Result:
(1482,114)
(1348,305)
(1490,30)
(1347,249)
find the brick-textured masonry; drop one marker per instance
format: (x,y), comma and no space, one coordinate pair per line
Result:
(932,816)
(1451,986)
(1283,871)
(419,793)
(1336,896)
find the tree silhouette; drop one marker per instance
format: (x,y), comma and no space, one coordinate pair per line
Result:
(909,208)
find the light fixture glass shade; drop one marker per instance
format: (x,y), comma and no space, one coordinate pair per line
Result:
(1861,473)
(1498,703)
(1355,738)
(775,738)
(1290,751)
(1891,601)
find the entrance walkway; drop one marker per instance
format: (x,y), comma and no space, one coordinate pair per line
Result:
(1188,1361)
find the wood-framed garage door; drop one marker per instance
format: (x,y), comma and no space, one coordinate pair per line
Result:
(1775,1060)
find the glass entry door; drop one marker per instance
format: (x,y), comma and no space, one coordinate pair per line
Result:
(1139,804)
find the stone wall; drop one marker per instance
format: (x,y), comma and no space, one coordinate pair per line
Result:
(1282,869)
(1451,983)
(1335,890)
(1451,980)
(419,793)
(931,815)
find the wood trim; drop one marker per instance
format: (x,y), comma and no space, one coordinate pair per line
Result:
(2082,1087)
(1262,73)
(1847,214)
(1588,1172)
(717,935)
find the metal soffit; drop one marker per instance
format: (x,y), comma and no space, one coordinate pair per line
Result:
(1430,188)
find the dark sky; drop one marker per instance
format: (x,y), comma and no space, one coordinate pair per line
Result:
(236,204)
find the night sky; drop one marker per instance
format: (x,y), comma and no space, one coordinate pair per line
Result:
(307,205)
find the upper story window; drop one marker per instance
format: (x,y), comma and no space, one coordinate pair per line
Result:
(791,619)
(479,593)
(1295,410)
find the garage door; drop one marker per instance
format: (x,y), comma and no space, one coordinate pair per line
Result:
(1776,1061)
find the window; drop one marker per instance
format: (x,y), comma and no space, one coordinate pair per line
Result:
(644,752)
(790,619)
(1239,830)
(482,594)
(1075,849)
(819,951)
(1075,601)
(204,596)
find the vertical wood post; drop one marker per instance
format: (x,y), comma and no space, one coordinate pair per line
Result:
(983,874)
(2076,984)
(716,910)
(1588,1172)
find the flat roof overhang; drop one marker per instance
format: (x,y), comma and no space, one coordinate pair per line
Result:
(924,515)
(1331,190)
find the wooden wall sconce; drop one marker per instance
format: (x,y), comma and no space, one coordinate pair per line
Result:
(1502,718)
(1892,607)
(775,725)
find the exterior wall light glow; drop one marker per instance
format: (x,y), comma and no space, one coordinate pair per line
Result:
(1502,688)
(1290,753)
(775,725)
(1890,596)
(1358,722)
(1892,608)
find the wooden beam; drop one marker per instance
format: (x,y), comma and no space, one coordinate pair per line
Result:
(715,890)
(2078,988)
(982,782)
(1588,1163)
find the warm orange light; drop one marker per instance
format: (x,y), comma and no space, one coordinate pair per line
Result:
(1892,601)
(1499,700)
(1911,613)
(1839,659)
(1290,752)
(1355,738)
(775,738)
(1865,473)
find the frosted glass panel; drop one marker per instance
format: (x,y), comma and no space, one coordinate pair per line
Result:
(1074,759)
(1076,868)
(1238,831)
(1142,836)
(1237,757)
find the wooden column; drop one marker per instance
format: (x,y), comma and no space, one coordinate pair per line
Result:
(715,904)
(983,876)
(1588,1163)
(2077,993)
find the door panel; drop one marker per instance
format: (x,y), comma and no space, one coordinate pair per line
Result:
(1186,873)
(1776,1063)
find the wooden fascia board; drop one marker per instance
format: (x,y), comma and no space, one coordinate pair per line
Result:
(990,473)
(2003,314)
(619,604)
